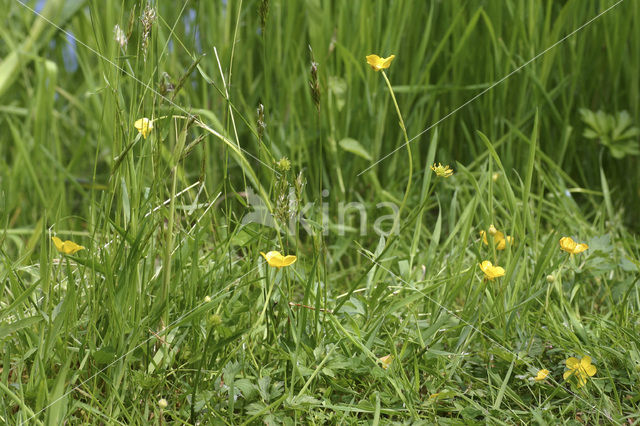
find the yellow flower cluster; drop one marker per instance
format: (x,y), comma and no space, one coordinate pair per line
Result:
(578,369)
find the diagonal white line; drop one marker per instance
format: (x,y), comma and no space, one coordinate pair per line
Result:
(494,85)
(450,312)
(130,74)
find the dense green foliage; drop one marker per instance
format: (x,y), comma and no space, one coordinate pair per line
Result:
(171,299)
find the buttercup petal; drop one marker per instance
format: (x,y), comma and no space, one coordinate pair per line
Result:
(58,243)
(387,62)
(567,244)
(69,247)
(572,363)
(579,248)
(590,369)
(498,271)
(289,260)
(373,59)
(485,265)
(484,237)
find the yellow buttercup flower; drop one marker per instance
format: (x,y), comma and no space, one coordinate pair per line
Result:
(580,368)
(378,63)
(144,126)
(386,361)
(274,258)
(442,171)
(542,374)
(502,242)
(567,244)
(66,247)
(491,271)
(499,238)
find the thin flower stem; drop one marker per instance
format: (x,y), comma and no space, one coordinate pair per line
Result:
(406,139)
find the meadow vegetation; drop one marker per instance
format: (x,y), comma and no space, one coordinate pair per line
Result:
(210,214)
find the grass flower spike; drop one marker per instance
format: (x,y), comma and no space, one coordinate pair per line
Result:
(442,171)
(567,244)
(542,374)
(66,247)
(386,361)
(277,260)
(378,63)
(491,271)
(144,126)
(580,368)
